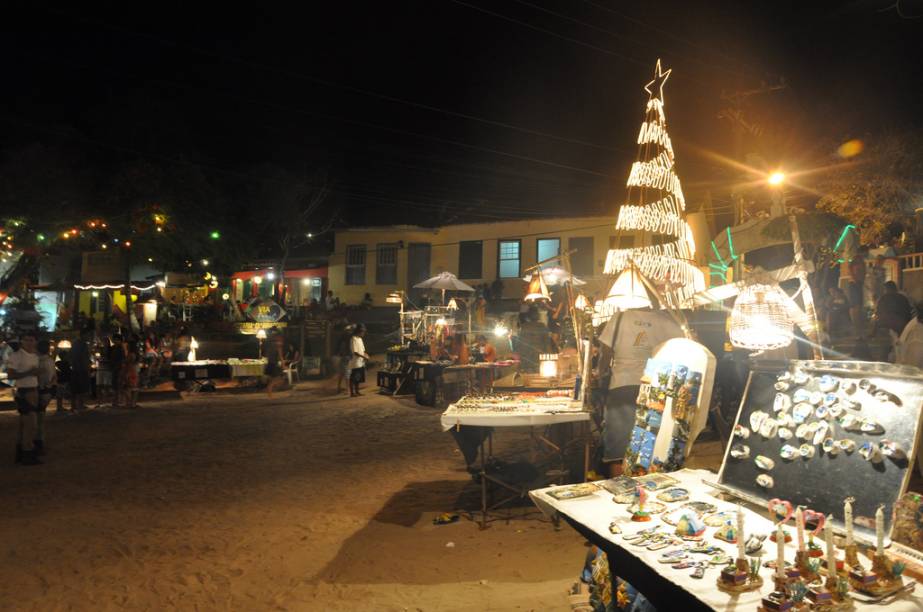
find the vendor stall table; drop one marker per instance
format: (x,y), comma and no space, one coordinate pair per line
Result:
(440,383)
(241,368)
(397,375)
(528,412)
(668,588)
(199,370)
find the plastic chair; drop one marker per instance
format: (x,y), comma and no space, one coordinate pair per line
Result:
(291,372)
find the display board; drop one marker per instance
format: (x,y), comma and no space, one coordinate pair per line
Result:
(672,406)
(827,428)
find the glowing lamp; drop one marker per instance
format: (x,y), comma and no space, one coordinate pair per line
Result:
(271,275)
(548,365)
(501,330)
(64,344)
(306,281)
(538,291)
(441,321)
(225,296)
(776,178)
(453,305)
(161,284)
(628,291)
(257,280)
(95,293)
(205,262)
(759,320)
(394,298)
(193,345)
(581,302)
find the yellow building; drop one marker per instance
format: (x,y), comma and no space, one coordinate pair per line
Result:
(378,260)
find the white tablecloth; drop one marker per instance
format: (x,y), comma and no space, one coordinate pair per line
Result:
(597,511)
(247,368)
(564,411)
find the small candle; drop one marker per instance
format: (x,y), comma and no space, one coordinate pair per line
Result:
(880,530)
(780,551)
(831,552)
(741,551)
(799,523)
(847,518)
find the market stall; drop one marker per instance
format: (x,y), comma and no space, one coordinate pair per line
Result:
(473,420)
(182,372)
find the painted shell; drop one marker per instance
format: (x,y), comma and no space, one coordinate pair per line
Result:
(785,420)
(801,395)
(846,445)
(892,449)
(870,452)
(764,463)
(756,419)
(854,405)
(763,480)
(803,431)
(785,433)
(865,384)
(871,427)
(782,402)
(788,452)
(830,447)
(849,388)
(851,422)
(821,432)
(817,398)
(740,451)
(836,410)
(806,451)
(802,412)
(741,432)
(769,428)
(782,386)
(784,376)
(822,412)
(828,383)
(754,544)
(673,495)
(830,399)
(800,377)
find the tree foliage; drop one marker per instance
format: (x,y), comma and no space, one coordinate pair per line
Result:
(877,189)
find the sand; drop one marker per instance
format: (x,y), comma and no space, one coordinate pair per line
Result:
(237,502)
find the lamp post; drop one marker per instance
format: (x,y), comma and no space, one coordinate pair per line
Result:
(776,182)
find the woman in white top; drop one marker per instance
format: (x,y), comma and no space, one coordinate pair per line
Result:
(357,360)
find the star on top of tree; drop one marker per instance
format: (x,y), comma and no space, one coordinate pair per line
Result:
(660,78)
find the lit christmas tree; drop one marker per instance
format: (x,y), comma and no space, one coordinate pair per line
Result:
(654,214)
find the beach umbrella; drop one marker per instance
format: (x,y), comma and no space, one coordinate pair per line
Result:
(444,281)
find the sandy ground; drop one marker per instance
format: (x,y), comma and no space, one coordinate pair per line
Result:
(237,502)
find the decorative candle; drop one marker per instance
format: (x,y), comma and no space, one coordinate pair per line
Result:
(847,518)
(880,530)
(799,523)
(741,551)
(780,551)
(831,553)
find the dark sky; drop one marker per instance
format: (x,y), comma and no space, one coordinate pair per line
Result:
(442,109)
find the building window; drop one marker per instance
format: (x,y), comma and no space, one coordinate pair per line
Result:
(508,255)
(386,268)
(470,256)
(581,258)
(546,248)
(355,264)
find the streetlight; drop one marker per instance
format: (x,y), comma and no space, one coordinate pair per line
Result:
(776,178)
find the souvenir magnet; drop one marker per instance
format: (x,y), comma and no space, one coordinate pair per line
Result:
(830,399)
(785,433)
(788,452)
(800,377)
(801,396)
(830,447)
(720,518)
(827,383)
(836,410)
(816,398)
(892,450)
(871,427)
(802,411)
(741,432)
(673,495)
(700,507)
(769,428)
(806,451)
(803,432)
(846,445)
(870,452)
(782,402)
(699,572)
(822,412)
(756,419)
(764,463)
(766,481)
(821,432)
(754,544)
(673,556)
(740,451)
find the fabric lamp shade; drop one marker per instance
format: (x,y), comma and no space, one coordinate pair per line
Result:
(581,302)
(628,291)
(760,320)
(537,288)
(453,305)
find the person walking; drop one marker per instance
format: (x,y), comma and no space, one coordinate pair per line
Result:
(342,356)
(47,385)
(116,361)
(892,313)
(909,347)
(22,369)
(357,361)
(80,363)
(274,361)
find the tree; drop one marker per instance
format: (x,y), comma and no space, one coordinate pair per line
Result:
(654,213)
(876,188)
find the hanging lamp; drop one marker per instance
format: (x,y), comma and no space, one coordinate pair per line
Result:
(538,291)
(760,320)
(628,291)
(581,303)
(453,305)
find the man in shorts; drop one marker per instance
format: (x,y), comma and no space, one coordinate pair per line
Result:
(22,369)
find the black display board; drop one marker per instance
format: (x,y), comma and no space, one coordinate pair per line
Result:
(823,482)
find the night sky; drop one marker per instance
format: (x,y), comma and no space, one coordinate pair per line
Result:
(441,110)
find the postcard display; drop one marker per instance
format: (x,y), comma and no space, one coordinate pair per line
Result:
(814,433)
(672,406)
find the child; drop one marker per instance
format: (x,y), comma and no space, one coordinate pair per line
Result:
(129,380)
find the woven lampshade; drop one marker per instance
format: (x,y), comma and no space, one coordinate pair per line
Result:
(537,288)
(759,320)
